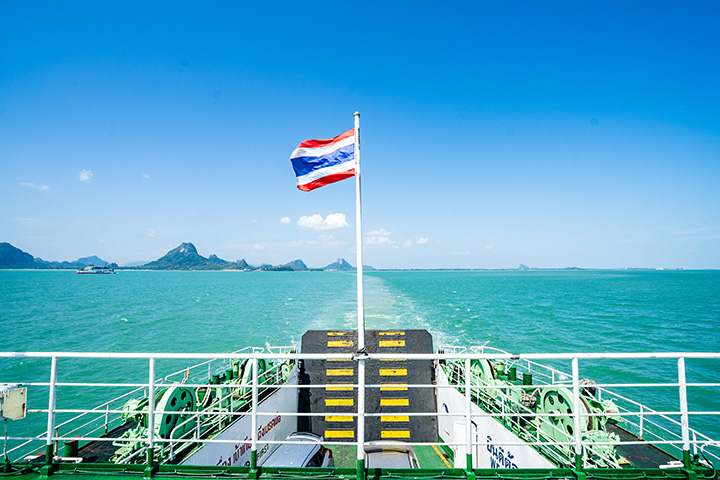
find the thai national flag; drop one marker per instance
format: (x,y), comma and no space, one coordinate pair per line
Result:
(322,162)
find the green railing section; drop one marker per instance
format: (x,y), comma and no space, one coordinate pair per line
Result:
(183,415)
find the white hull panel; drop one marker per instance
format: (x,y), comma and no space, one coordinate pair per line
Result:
(270,428)
(492,451)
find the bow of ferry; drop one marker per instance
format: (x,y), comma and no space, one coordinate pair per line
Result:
(461,412)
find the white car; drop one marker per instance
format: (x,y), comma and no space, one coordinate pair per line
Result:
(390,456)
(300,455)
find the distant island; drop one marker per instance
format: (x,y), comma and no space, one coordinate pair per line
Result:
(12,257)
(186,257)
(183,257)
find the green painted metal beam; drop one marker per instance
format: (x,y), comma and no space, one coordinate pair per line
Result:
(79,471)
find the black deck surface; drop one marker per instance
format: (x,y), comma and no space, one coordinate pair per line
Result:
(99,451)
(642,455)
(394,402)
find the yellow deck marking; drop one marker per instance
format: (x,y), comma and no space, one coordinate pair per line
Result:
(335,334)
(338,360)
(393,387)
(338,418)
(340,343)
(392,333)
(338,372)
(442,456)
(392,343)
(339,434)
(394,402)
(394,418)
(339,402)
(395,434)
(339,388)
(393,372)
(393,359)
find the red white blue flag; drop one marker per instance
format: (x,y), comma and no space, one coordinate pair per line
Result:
(321,162)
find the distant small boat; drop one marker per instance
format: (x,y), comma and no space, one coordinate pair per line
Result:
(91,269)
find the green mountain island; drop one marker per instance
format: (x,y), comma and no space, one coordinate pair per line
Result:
(186,257)
(183,257)
(13,258)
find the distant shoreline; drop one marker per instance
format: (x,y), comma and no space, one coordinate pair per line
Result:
(310,270)
(186,258)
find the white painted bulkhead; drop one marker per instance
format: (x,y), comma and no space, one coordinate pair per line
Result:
(490,436)
(270,428)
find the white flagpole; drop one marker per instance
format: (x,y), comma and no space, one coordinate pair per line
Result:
(358,233)
(361,311)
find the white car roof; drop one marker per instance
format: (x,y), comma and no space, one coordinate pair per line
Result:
(293,455)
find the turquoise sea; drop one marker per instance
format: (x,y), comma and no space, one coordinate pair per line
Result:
(522,312)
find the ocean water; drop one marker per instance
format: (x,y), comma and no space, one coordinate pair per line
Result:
(521,312)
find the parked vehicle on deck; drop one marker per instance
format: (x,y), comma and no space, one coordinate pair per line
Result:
(300,455)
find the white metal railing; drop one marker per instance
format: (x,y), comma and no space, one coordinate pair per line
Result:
(658,424)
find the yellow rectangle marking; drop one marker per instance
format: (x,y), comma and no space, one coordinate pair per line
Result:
(338,372)
(339,402)
(393,372)
(339,388)
(392,333)
(338,418)
(337,360)
(393,359)
(392,388)
(395,434)
(392,343)
(394,418)
(394,402)
(335,334)
(340,343)
(339,434)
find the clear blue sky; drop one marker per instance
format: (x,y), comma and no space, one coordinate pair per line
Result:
(493,133)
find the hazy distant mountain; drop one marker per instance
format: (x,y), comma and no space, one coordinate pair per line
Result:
(217,261)
(243,265)
(296,265)
(94,260)
(186,257)
(12,257)
(340,265)
(135,264)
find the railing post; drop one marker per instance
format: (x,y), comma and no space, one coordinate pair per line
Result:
(360,466)
(253,447)
(7,467)
(150,467)
(642,422)
(49,450)
(576,417)
(684,420)
(468,423)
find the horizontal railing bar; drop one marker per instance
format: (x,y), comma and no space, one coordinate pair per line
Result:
(296,414)
(370,356)
(378,385)
(372,442)
(87,384)
(431,414)
(524,413)
(484,414)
